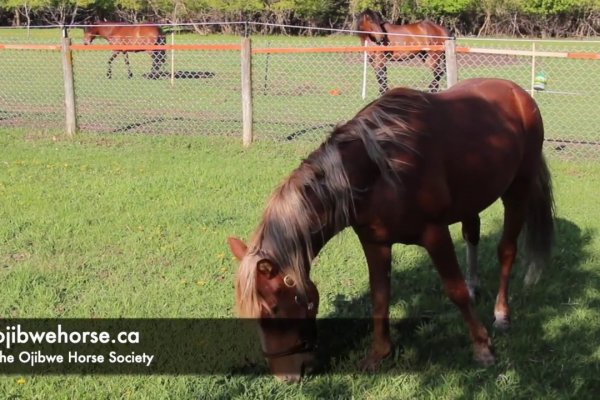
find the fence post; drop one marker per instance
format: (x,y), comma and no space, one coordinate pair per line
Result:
(246,54)
(451,64)
(532,92)
(67,63)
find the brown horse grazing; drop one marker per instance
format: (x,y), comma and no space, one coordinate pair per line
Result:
(386,34)
(120,34)
(404,168)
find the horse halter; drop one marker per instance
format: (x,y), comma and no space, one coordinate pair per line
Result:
(306,345)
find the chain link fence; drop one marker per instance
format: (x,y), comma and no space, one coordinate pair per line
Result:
(301,86)
(561,75)
(31,84)
(194,91)
(300,93)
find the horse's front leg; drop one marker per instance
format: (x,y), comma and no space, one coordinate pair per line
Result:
(378,62)
(110,60)
(129,73)
(436,63)
(436,239)
(379,259)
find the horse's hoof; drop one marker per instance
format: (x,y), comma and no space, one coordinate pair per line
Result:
(502,324)
(370,364)
(484,356)
(483,353)
(372,361)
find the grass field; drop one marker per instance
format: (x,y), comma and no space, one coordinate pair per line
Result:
(106,226)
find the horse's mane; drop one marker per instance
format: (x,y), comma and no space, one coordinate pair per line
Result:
(284,233)
(375,16)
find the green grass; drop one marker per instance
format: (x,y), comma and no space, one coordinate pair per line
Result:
(136,226)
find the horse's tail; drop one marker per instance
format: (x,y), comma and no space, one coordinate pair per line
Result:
(539,224)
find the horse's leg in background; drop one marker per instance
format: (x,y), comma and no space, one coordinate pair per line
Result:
(438,242)
(436,62)
(515,203)
(379,260)
(110,60)
(129,73)
(470,233)
(159,57)
(378,62)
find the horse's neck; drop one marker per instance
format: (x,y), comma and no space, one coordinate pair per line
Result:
(358,170)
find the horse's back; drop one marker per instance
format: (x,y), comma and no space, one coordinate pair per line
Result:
(487,132)
(503,101)
(119,33)
(422,32)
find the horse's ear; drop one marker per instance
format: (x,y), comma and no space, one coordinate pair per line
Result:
(238,248)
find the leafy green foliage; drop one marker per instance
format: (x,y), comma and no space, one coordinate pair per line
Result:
(556,17)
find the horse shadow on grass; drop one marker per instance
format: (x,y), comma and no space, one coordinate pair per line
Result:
(549,349)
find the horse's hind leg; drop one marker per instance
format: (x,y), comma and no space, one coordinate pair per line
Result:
(470,233)
(436,239)
(110,60)
(158,60)
(514,216)
(129,73)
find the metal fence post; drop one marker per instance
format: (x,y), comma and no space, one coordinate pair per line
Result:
(67,63)
(451,64)
(246,55)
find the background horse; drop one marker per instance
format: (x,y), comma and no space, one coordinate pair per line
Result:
(420,33)
(118,33)
(401,171)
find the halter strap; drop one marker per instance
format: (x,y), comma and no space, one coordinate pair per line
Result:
(303,347)
(385,41)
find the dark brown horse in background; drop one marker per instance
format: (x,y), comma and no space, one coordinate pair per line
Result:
(122,34)
(401,171)
(378,32)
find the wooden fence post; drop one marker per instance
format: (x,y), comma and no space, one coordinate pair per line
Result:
(451,64)
(246,55)
(67,63)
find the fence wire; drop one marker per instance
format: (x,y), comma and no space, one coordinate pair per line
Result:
(160,92)
(302,95)
(31,88)
(566,89)
(301,87)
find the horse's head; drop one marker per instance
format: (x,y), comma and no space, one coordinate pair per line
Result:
(89,34)
(371,21)
(286,312)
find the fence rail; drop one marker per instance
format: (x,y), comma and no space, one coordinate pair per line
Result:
(272,88)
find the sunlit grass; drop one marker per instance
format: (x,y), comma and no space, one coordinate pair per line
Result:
(132,226)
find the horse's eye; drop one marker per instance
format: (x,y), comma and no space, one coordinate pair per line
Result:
(274,310)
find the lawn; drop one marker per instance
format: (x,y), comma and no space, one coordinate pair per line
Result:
(135,226)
